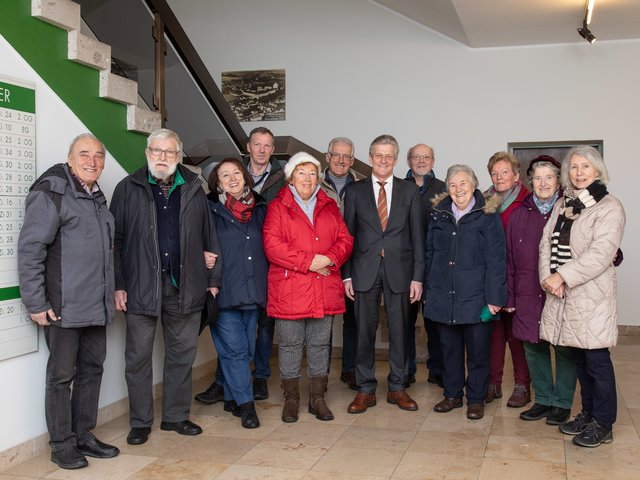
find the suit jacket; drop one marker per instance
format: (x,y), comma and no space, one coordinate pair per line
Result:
(402,241)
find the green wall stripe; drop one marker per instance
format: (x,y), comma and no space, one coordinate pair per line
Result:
(44,47)
(15,97)
(9,293)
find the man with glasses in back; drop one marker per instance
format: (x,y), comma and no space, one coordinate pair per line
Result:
(336,177)
(163,229)
(384,215)
(421,159)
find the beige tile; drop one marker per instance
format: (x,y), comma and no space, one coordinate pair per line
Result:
(456,421)
(323,434)
(621,453)
(510,426)
(494,468)
(118,468)
(175,469)
(231,427)
(450,443)
(340,476)
(13,477)
(583,472)
(360,461)
(210,449)
(160,444)
(37,467)
(250,472)
(394,418)
(420,466)
(293,455)
(526,448)
(376,438)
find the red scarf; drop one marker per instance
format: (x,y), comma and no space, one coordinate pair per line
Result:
(242,207)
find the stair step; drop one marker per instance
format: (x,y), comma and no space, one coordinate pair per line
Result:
(90,52)
(117,88)
(142,120)
(61,13)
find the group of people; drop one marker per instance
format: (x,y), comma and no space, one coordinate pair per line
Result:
(294,246)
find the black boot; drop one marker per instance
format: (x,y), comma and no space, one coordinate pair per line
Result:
(213,394)
(248,415)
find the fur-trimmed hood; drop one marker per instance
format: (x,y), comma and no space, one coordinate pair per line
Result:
(490,203)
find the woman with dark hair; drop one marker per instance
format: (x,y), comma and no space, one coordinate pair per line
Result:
(577,250)
(239,215)
(465,286)
(526,298)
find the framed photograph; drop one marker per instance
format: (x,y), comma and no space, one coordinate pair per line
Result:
(256,95)
(527,151)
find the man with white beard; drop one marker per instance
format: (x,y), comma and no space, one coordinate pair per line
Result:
(160,274)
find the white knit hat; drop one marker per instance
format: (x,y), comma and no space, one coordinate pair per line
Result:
(297,159)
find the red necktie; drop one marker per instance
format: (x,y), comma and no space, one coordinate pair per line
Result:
(382,206)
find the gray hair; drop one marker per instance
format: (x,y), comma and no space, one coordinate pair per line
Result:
(164,134)
(589,153)
(341,140)
(543,164)
(410,151)
(455,169)
(82,136)
(385,139)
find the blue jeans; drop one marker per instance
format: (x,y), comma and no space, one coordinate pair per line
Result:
(597,384)
(234,335)
(76,356)
(264,345)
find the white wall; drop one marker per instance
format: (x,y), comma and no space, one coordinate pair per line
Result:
(357,69)
(22,378)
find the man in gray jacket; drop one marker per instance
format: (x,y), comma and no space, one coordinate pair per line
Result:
(163,228)
(65,265)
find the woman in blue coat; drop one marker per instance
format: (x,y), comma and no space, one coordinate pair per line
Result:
(239,215)
(465,285)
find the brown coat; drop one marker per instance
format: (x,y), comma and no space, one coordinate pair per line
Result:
(586,317)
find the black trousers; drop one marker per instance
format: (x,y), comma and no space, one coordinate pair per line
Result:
(76,356)
(366,309)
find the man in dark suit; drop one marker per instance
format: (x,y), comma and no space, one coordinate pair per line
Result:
(384,215)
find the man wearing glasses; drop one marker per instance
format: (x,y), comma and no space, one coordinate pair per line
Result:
(384,215)
(340,160)
(421,160)
(163,227)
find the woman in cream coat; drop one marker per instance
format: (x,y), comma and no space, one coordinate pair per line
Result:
(576,270)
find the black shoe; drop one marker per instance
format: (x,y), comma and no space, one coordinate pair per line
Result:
(248,415)
(593,435)
(260,390)
(213,394)
(436,379)
(410,379)
(185,427)
(69,457)
(97,449)
(138,435)
(577,425)
(231,406)
(536,412)
(558,416)
(350,379)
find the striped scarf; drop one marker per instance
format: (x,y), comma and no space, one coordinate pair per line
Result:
(572,206)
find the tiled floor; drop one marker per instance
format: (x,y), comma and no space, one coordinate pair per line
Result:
(383,443)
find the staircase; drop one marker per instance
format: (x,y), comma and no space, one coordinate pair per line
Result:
(87,51)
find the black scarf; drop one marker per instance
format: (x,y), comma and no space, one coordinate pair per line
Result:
(572,207)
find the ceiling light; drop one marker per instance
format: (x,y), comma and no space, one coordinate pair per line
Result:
(584,30)
(586,34)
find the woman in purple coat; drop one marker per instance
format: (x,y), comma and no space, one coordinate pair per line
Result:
(526,298)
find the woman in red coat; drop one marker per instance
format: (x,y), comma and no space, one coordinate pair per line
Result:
(306,241)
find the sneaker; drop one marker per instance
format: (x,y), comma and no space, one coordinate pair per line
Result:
(213,394)
(520,397)
(260,390)
(577,425)
(593,435)
(495,391)
(558,416)
(536,412)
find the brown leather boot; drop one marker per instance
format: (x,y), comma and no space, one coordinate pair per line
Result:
(291,399)
(317,405)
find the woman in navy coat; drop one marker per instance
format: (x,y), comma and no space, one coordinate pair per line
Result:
(239,215)
(465,285)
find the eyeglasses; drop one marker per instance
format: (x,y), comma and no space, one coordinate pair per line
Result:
(157,152)
(343,156)
(421,157)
